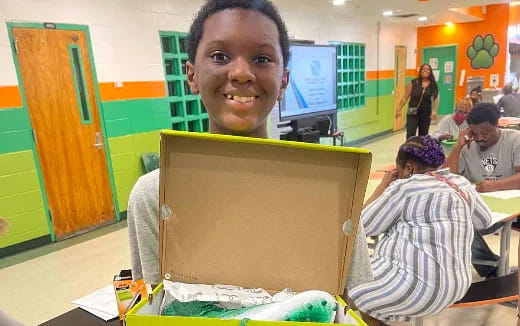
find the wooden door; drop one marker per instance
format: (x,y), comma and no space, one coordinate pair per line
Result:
(399,86)
(59,88)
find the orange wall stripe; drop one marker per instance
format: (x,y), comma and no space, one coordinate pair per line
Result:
(10,97)
(411,73)
(132,90)
(381,74)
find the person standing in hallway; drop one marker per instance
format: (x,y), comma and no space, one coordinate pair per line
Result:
(508,104)
(423,96)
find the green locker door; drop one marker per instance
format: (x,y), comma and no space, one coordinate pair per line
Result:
(443,60)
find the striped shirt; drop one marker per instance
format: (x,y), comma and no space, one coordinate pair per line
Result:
(448,126)
(423,262)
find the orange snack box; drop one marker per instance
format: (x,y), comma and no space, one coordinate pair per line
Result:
(128,291)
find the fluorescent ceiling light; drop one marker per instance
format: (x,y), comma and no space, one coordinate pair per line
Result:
(422,18)
(338,2)
(388,13)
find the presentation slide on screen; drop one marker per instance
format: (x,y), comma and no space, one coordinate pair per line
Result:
(312,85)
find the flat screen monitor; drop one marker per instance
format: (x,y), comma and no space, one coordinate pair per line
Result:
(312,82)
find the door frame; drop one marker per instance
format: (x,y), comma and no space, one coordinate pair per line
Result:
(395,80)
(74,27)
(455,62)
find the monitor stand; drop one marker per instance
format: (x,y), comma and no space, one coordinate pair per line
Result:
(309,130)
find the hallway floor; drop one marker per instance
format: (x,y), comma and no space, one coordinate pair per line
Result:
(47,279)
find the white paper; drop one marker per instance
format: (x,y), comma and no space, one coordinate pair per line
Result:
(100,314)
(246,297)
(497,217)
(448,67)
(462,77)
(434,63)
(502,194)
(436,74)
(101,303)
(493,80)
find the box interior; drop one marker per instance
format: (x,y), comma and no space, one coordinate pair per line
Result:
(258,213)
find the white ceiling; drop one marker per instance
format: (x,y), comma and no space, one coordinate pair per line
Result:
(437,11)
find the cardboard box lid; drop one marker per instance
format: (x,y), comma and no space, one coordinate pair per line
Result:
(258,212)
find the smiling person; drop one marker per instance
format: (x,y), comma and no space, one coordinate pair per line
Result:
(424,101)
(238,55)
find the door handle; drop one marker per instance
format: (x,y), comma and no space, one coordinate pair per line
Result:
(99,143)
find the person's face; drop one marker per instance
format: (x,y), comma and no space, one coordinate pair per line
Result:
(475,97)
(425,72)
(462,109)
(238,71)
(485,134)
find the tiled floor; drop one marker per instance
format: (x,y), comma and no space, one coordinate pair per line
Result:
(40,284)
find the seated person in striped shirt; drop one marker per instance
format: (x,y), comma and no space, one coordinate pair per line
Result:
(426,215)
(451,125)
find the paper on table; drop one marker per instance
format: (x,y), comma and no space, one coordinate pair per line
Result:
(100,314)
(101,303)
(502,194)
(497,217)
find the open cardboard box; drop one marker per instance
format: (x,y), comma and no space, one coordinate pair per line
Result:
(255,213)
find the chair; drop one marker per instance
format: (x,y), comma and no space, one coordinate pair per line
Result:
(150,161)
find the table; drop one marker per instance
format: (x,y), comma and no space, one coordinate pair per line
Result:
(510,207)
(79,317)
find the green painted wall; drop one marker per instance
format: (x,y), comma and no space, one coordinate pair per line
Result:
(128,117)
(133,129)
(125,152)
(367,121)
(21,200)
(15,130)
(371,119)
(375,117)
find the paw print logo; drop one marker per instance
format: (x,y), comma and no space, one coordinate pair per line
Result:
(482,52)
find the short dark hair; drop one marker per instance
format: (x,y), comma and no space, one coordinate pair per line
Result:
(477,89)
(424,151)
(507,90)
(484,112)
(211,7)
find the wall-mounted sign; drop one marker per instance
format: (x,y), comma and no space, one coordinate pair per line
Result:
(434,63)
(436,74)
(493,80)
(448,79)
(448,67)
(482,52)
